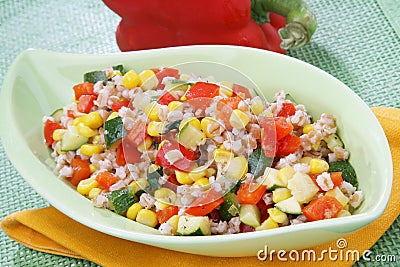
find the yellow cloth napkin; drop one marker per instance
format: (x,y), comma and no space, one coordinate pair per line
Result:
(50,231)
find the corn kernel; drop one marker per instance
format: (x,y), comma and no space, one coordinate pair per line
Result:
(92,120)
(280,194)
(58,134)
(318,166)
(155,128)
(305,160)
(89,149)
(160,204)
(211,172)
(113,115)
(316,145)
(147,217)
(175,105)
(308,128)
(173,222)
(94,192)
(139,184)
(165,195)
(203,182)
(226,88)
(285,174)
(192,120)
(222,155)
(237,167)
(197,173)
(204,126)
(148,80)
(267,224)
(183,177)
(151,111)
(148,141)
(76,121)
(84,186)
(131,79)
(239,119)
(277,215)
(133,211)
(257,106)
(85,131)
(92,168)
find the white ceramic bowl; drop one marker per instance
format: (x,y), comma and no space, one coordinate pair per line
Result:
(38,82)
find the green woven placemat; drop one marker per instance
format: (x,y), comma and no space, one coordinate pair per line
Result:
(354,42)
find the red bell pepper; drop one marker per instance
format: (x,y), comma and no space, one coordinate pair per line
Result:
(85,88)
(165,214)
(288,109)
(185,164)
(118,105)
(81,171)
(250,193)
(322,208)
(85,103)
(106,179)
(49,128)
(205,203)
(154,24)
(166,98)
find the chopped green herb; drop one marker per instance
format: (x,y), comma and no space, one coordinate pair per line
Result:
(114,131)
(258,162)
(119,68)
(94,76)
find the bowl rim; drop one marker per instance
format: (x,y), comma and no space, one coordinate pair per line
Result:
(9,141)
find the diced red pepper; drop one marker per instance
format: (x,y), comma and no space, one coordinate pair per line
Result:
(137,134)
(250,193)
(118,105)
(263,208)
(241,91)
(85,88)
(166,72)
(70,114)
(185,164)
(120,157)
(131,154)
(244,228)
(322,208)
(287,145)
(288,109)
(202,89)
(283,128)
(232,102)
(81,171)
(166,98)
(165,214)
(269,142)
(106,179)
(205,203)
(49,128)
(337,178)
(85,103)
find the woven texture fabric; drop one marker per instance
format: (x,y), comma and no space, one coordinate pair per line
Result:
(355,42)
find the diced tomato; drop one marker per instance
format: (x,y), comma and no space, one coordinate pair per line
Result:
(85,103)
(81,171)
(325,207)
(120,157)
(232,102)
(287,110)
(166,72)
(137,134)
(241,91)
(287,145)
(165,214)
(118,105)
(185,164)
(70,114)
(250,193)
(85,88)
(336,178)
(205,203)
(106,179)
(283,128)
(131,154)
(49,128)
(166,98)
(269,142)
(202,90)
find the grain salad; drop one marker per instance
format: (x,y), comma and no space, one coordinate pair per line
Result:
(191,155)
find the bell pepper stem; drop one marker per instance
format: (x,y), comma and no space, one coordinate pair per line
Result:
(301,22)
